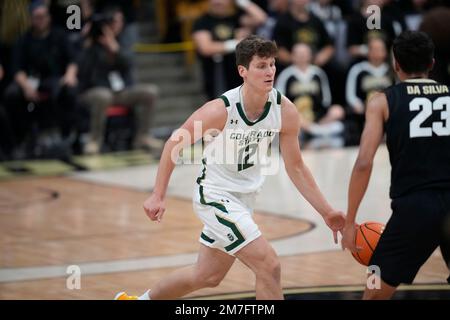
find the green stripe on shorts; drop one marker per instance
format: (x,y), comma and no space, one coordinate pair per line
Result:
(237,233)
(217,205)
(206,238)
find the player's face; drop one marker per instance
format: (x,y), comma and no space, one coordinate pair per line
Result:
(260,73)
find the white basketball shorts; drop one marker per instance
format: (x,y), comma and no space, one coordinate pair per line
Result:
(227,218)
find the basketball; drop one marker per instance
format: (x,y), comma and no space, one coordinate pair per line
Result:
(367,236)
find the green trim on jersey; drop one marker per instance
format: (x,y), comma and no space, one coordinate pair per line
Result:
(202,177)
(237,233)
(206,238)
(225,99)
(278,97)
(247,121)
(225,222)
(217,205)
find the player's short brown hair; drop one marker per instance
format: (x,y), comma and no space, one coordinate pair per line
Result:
(254,45)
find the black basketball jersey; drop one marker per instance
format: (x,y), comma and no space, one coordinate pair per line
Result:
(418,136)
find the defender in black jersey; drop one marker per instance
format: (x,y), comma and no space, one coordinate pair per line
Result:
(415,114)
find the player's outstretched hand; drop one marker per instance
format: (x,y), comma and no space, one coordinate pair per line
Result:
(348,238)
(335,220)
(154,207)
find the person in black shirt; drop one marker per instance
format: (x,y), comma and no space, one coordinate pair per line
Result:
(6,136)
(358,34)
(58,11)
(129,34)
(106,79)
(364,79)
(45,77)
(415,116)
(307,86)
(216,35)
(60,16)
(2,74)
(300,26)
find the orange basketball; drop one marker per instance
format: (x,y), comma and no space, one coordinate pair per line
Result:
(367,236)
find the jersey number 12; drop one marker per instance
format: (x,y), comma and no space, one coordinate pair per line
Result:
(244,156)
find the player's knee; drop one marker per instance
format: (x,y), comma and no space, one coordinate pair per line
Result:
(210,281)
(275,268)
(270,268)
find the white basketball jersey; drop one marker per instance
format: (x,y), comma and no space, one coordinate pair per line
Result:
(235,160)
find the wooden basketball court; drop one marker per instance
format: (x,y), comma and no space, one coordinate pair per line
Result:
(95,221)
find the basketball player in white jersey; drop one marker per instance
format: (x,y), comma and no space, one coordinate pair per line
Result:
(248,118)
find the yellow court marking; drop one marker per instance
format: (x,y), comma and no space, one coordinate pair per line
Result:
(114,160)
(164,47)
(5,173)
(34,167)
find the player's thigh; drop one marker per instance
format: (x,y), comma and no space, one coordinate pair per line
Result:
(213,262)
(259,255)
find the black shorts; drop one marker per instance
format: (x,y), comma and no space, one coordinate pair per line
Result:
(420,222)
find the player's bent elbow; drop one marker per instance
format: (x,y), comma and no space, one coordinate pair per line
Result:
(363,165)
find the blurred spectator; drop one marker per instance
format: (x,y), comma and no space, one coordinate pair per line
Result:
(43,90)
(331,16)
(307,86)
(275,10)
(436,24)
(105,73)
(58,11)
(300,26)
(392,9)
(358,34)
(2,73)
(364,79)
(14,22)
(216,35)
(2,79)
(347,7)
(6,136)
(328,13)
(129,34)
(263,4)
(414,11)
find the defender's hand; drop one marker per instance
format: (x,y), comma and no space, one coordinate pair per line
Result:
(335,220)
(154,207)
